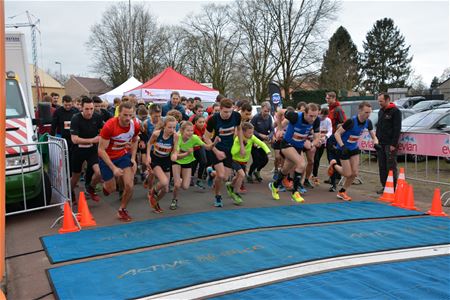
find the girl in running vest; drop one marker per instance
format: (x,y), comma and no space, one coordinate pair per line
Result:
(160,155)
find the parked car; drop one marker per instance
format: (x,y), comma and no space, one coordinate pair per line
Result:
(427,105)
(351,107)
(405,114)
(431,121)
(409,101)
(445,105)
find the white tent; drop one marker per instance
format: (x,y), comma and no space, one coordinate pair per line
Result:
(118,92)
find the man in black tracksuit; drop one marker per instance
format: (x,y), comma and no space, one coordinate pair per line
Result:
(388,133)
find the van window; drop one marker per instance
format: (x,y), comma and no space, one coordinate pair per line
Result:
(14,102)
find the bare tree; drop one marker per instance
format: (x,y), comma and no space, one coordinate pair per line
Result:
(174,52)
(212,33)
(256,46)
(111,40)
(298,26)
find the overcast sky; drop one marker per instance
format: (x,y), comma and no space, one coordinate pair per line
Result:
(65,28)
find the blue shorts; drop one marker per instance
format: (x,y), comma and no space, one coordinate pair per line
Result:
(121,162)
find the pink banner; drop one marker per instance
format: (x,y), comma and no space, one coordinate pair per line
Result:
(414,143)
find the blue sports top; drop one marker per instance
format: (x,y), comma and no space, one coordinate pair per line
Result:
(297,133)
(351,136)
(162,147)
(224,129)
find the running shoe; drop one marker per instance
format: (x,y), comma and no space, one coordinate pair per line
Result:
(288,184)
(91,191)
(282,189)
(258,176)
(332,189)
(209,178)
(274,191)
(331,167)
(249,178)
(158,208)
(105,192)
(344,196)
(237,199)
(229,189)
(316,181)
(302,190)
(275,175)
(151,199)
(174,204)
(199,184)
(123,215)
(218,201)
(242,189)
(297,197)
(308,184)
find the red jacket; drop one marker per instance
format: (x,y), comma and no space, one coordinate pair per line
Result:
(199,133)
(336,115)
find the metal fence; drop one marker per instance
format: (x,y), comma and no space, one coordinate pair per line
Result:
(37,176)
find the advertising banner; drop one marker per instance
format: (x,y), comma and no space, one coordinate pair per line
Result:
(415,143)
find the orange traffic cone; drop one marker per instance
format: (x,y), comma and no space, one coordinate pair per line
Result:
(388,193)
(84,215)
(401,176)
(400,194)
(436,205)
(409,202)
(86,218)
(68,222)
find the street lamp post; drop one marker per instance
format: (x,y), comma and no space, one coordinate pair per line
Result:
(60,69)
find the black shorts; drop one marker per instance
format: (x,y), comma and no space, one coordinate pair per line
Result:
(285,145)
(163,162)
(227,162)
(142,150)
(276,145)
(238,166)
(81,155)
(185,166)
(351,153)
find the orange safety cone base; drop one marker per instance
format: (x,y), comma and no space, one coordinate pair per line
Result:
(68,222)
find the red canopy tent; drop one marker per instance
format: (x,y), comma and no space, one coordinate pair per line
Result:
(160,87)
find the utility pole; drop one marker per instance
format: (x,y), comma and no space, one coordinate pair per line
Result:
(131,38)
(60,70)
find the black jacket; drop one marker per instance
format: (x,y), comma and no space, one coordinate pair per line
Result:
(389,125)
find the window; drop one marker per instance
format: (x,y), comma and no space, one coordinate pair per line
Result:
(14,101)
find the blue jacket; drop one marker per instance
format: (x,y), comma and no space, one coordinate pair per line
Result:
(168,106)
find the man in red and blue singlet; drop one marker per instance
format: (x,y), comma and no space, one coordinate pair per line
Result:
(117,155)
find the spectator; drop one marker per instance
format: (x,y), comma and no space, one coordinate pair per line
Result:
(55,99)
(388,133)
(174,103)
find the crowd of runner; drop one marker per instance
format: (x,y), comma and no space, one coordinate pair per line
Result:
(179,145)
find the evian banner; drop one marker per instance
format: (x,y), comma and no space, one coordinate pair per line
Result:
(415,143)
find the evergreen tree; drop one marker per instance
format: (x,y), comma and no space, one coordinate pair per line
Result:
(386,61)
(434,83)
(340,68)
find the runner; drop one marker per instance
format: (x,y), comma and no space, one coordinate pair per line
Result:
(294,142)
(160,155)
(240,161)
(146,132)
(117,152)
(200,155)
(347,137)
(224,125)
(182,167)
(263,125)
(84,129)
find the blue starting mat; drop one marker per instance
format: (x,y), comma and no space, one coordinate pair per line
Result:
(427,278)
(112,239)
(173,267)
